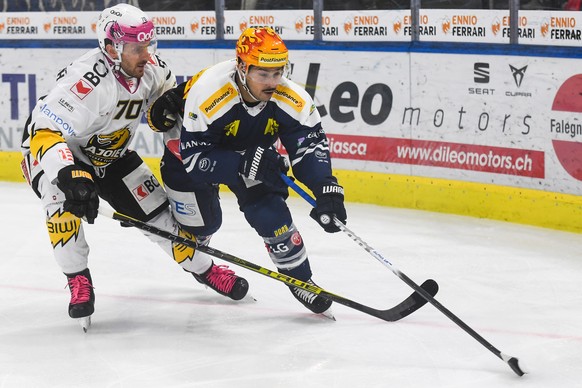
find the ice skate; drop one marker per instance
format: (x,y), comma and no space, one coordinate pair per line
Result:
(224,281)
(315,303)
(85,323)
(82,303)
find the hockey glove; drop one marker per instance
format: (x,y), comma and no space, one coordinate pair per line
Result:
(81,197)
(329,203)
(162,115)
(265,165)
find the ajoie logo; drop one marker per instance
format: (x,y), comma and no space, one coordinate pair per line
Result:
(518,74)
(481,72)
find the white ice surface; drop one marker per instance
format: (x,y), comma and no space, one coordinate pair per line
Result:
(154,326)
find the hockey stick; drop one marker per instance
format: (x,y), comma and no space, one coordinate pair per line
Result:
(406,307)
(511,361)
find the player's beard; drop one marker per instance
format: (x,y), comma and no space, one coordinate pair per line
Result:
(137,71)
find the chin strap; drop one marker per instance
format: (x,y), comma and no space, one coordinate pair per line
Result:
(243,80)
(120,74)
(114,63)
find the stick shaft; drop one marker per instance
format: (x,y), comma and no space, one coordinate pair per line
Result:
(408,306)
(511,361)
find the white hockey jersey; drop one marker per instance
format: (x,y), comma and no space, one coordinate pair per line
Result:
(90,114)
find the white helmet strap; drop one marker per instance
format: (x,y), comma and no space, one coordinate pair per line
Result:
(116,63)
(242,75)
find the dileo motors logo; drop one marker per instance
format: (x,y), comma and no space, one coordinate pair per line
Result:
(566,127)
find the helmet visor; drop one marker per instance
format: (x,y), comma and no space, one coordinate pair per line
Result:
(265,75)
(139,48)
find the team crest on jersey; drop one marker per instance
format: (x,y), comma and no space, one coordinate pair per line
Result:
(62,227)
(183,252)
(218,99)
(272,127)
(105,149)
(231,129)
(288,96)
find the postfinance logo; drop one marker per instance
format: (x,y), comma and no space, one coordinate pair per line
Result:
(217,100)
(272,60)
(62,227)
(288,96)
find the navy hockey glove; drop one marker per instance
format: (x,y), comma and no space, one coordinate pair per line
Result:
(265,165)
(329,203)
(162,115)
(81,197)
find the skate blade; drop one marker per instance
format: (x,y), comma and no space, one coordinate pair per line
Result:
(328,314)
(249,298)
(85,323)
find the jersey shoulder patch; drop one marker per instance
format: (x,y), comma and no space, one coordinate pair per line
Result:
(218,99)
(84,75)
(192,81)
(214,91)
(288,96)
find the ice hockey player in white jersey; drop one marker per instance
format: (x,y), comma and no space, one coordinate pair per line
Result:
(233,113)
(76,150)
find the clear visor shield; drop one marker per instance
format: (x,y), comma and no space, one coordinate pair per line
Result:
(138,49)
(265,75)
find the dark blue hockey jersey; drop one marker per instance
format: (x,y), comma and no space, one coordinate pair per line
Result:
(218,127)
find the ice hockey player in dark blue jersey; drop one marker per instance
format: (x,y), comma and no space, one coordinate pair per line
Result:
(229,117)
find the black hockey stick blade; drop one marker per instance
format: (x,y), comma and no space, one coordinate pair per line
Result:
(514,365)
(512,362)
(405,308)
(415,300)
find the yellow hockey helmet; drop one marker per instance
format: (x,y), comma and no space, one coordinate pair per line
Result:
(261,46)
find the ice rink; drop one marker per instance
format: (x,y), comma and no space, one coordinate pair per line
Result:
(154,326)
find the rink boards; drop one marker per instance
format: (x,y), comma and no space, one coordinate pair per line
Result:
(481,130)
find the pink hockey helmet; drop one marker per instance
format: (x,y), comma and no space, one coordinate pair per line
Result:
(124,23)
